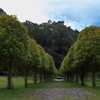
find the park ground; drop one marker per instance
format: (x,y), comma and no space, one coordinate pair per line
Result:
(53,90)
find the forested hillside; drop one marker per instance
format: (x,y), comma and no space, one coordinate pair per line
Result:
(55,37)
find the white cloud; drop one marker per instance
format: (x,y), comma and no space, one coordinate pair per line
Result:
(75,13)
(75,25)
(25,9)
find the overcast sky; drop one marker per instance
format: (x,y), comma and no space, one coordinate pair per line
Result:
(76,13)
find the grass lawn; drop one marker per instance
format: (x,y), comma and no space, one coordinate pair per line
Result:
(21,93)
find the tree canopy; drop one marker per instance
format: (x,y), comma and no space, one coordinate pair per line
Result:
(55,37)
(85,55)
(17,47)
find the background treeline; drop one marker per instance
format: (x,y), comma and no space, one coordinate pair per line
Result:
(83,58)
(18,52)
(55,37)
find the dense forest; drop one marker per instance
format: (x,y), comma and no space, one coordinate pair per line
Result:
(55,37)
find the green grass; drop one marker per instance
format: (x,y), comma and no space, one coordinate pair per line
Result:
(89,80)
(21,93)
(17,81)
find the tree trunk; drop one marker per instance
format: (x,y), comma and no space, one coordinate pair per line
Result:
(65,77)
(51,77)
(44,77)
(48,78)
(35,78)
(82,77)
(26,85)
(82,81)
(26,77)
(40,78)
(76,77)
(93,78)
(10,85)
(68,77)
(35,75)
(73,77)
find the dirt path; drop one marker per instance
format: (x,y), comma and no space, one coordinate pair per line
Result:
(63,94)
(60,93)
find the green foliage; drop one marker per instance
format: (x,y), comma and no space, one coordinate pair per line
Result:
(20,52)
(55,37)
(84,55)
(68,61)
(34,54)
(13,42)
(39,58)
(13,37)
(88,45)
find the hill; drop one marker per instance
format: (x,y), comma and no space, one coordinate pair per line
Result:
(55,37)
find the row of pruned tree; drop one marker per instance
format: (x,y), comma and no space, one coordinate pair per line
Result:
(83,57)
(19,52)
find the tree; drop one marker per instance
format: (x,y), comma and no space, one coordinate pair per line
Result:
(25,67)
(40,61)
(43,62)
(84,56)
(51,67)
(13,42)
(87,50)
(35,58)
(67,67)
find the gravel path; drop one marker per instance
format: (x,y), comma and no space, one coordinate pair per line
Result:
(73,94)
(59,93)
